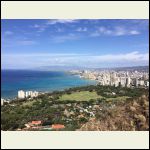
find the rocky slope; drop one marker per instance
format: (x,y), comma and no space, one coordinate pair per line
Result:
(131,115)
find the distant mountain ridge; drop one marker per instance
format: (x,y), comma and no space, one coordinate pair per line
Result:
(62,68)
(138,68)
(68,68)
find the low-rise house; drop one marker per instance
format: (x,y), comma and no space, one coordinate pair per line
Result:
(27,125)
(113,93)
(33,124)
(58,126)
(36,123)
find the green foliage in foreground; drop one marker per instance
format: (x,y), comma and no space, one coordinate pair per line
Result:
(50,107)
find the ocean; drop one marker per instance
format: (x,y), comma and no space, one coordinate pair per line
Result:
(45,81)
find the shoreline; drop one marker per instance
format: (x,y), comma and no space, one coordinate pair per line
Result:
(60,89)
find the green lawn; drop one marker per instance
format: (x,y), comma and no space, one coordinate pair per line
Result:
(80,96)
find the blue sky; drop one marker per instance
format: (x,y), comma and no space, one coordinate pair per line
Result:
(33,43)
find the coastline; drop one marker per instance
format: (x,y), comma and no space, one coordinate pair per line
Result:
(74,81)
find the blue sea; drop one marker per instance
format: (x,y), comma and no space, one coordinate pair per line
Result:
(14,80)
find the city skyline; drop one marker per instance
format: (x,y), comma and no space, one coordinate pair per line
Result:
(69,42)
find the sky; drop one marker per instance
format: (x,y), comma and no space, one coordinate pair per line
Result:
(92,43)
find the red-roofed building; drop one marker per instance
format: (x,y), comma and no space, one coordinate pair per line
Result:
(58,126)
(36,122)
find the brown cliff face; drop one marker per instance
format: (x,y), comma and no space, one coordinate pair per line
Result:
(131,115)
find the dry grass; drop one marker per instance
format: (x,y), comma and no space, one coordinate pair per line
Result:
(131,115)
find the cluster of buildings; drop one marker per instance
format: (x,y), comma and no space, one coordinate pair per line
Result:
(116,78)
(37,124)
(27,94)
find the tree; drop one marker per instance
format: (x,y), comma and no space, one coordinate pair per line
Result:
(83,120)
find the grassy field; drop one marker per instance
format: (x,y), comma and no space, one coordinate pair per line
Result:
(80,96)
(86,95)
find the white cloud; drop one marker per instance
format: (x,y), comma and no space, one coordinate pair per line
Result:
(134,32)
(81,29)
(124,31)
(63,21)
(26,42)
(116,31)
(36,26)
(101,31)
(42,27)
(104,30)
(8,32)
(133,56)
(35,60)
(63,38)
(39,28)
(119,31)
(9,42)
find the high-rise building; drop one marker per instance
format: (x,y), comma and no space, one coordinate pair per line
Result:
(136,82)
(35,94)
(123,81)
(128,82)
(147,83)
(21,94)
(30,93)
(2,101)
(117,82)
(27,93)
(141,82)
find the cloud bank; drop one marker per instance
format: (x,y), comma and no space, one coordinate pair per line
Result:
(84,60)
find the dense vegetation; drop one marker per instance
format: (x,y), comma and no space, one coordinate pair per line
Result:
(72,113)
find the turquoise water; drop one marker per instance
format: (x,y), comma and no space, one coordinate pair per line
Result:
(14,80)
